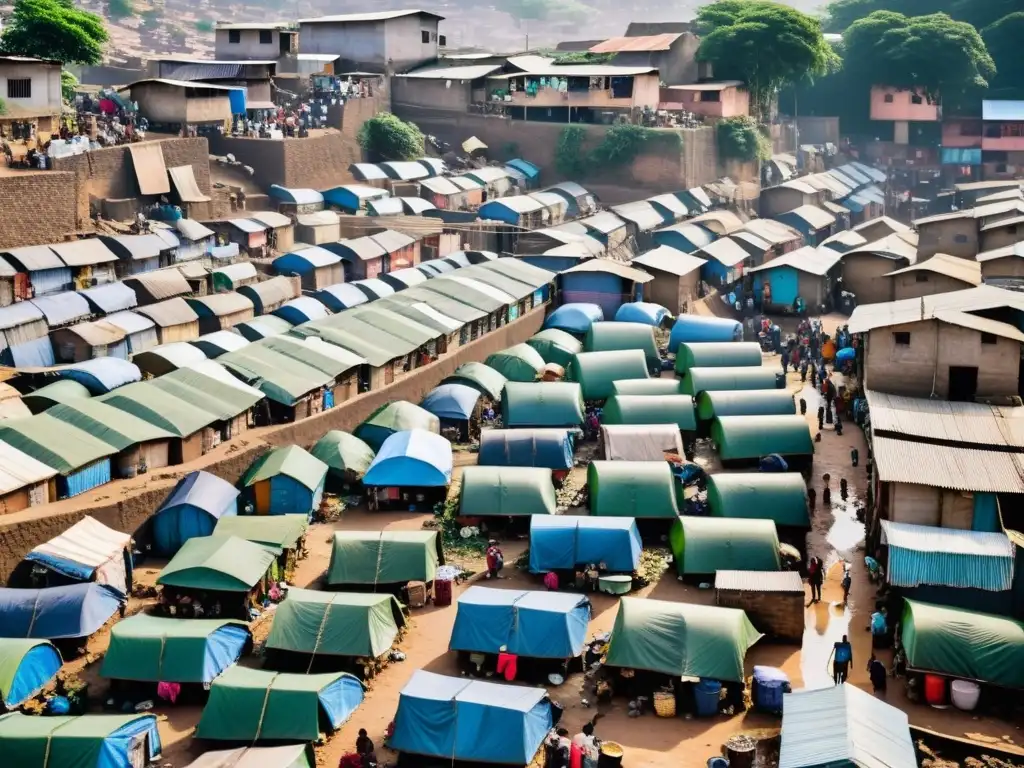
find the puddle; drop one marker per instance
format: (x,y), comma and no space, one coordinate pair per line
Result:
(825,626)
(846,532)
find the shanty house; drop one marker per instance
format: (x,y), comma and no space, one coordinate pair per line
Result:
(37,271)
(286,480)
(815,224)
(787,196)
(270,294)
(939,274)
(110,298)
(86,341)
(865,267)
(195,239)
(495,181)
(390,40)
(444,194)
(175,320)
(725,261)
(233,276)
(318,228)
(604,282)
(296,201)
(363,257)
(808,273)
(519,210)
(352,198)
(676,275)
(24,336)
(280,229)
(137,253)
(316,267)
(1005,262)
(139,331)
(161,285)
(221,311)
(248,235)
(641,219)
(685,237)
(24,481)
(580,202)
(91,262)
(62,309)
(782,238)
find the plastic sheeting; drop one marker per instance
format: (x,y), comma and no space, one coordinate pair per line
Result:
(482,377)
(506,491)
(700,328)
(638,489)
(455,402)
(549,448)
(346,456)
(562,543)
(519,363)
(555,346)
(642,312)
(777,496)
(102,374)
(218,564)
(26,666)
(722,354)
(397,416)
(545,404)
(76,610)
(644,442)
(731,379)
(290,756)
(703,545)
(82,741)
(414,459)
(192,509)
(751,437)
(744,402)
(88,550)
(644,409)
(575,318)
(596,372)
(924,554)
(619,336)
(384,557)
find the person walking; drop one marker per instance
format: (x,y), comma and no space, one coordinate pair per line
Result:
(785,363)
(821,417)
(495,560)
(847,582)
(815,577)
(842,657)
(878,675)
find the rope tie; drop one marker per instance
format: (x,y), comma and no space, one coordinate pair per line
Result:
(319,634)
(49,741)
(263,710)
(32,621)
(380,556)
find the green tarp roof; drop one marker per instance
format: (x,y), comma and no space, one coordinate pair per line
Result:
(289,756)
(290,461)
(12,653)
(328,358)
(399,326)
(520,270)
(60,741)
(707,544)
(777,496)
(150,403)
(157,648)
(513,287)
(336,623)
(446,305)
(364,328)
(647,387)
(118,429)
(507,491)
(519,363)
(555,346)
(384,557)
(542,404)
(378,350)
(724,354)
(396,416)
(218,563)
(681,639)
(751,437)
(467,294)
(60,391)
(55,443)
(647,409)
(282,531)
(728,379)
(479,376)
(597,371)
(281,378)
(631,489)
(217,397)
(966,644)
(614,336)
(343,452)
(745,402)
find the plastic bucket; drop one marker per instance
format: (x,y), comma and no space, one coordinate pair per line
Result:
(964,694)
(935,689)
(706,695)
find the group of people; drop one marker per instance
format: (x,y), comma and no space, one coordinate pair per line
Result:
(581,751)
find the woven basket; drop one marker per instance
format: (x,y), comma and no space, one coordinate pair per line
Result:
(665,704)
(417,594)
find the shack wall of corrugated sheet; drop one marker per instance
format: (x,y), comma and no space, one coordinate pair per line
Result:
(85,479)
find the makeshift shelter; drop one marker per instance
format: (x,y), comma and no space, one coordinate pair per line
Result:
(192,509)
(73,611)
(703,545)
(745,402)
(60,391)
(699,380)
(26,667)
(543,404)
(479,376)
(289,756)
(346,456)
(283,532)
(544,625)
(575,318)
(100,741)
(87,551)
(555,346)
(24,481)
(563,543)
(218,343)
(455,405)
(225,564)
(843,726)
(285,480)
(641,442)
(374,558)
(506,492)
(336,624)
(459,719)
(415,460)
(740,438)
(777,496)
(717,354)
(964,644)
(638,489)
(644,409)
(254,705)
(154,649)
(221,311)
(646,387)
(263,327)
(519,363)
(702,328)
(548,448)
(396,416)
(316,267)
(596,372)
(681,639)
(616,336)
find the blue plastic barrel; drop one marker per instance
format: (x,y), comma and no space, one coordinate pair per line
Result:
(707,694)
(703,328)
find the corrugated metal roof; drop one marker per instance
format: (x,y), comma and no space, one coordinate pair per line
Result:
(955,468)
(244,270)
(316,256)
(1002,109)
(947,557)
(139,247)
(367,171)
(981,324)
(247,225)
(62,308)
(192,230)
(272,219)
(751,239)
(318,219)
(466,183)
(799,185)
(571,188)
(98,333)
(775,232)
(1006,194)
(970,423)
(221,304)
(661,42)
(1016,249)
(20,314)
(847,237)
(297,195)
(604,222)
(112,297)
(671,203)
(276,290)
(171,312)
(518,203)
(441,186)
(226,341)
(641,213)
(487,175)
(351,18)
(544,66)
(719,222)
(161,284)
(1013,222)
(724,250)
(611,267)
(928,538)
(816,217)
(84,253)
(35,257)
(469,72)
(899,245)
(130,322)
(815,261)
(550,199)
(943,264)
(405,170)
(667,259)
(759,581)
(869,316)
(18,469)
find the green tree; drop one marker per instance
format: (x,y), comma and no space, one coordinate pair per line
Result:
(764,44)
(1003,40)
(570,159)
(68,84)
(983,13)
(54,29)
(120,9)
(205,25)
(386,137)
(740,138)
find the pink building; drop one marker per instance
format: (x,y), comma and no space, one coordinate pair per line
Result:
(726,98)
(961,132)
(1003,126)
(901,108)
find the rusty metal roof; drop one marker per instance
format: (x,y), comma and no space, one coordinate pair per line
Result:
(647,43)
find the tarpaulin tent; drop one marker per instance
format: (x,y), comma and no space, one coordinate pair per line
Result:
(286,480)
(77,741)
(254,705)
(26,667)
(701,328)
(541,625)
(642,312)
(596,372)
(617,336)
(640,442)
(644,409)
(519,363)
(87,551)
(192,509)
(218,564)
(562,543)
(412,459)
(632,489)
(730,379)
(751,437)
(543,404)
(722,354)
(289,756)
(451,402)
(281,531)
(336,623)
(479,376)
(346,456)
(647,387)
(548,448)
(574,318)
(946,557)
(76,610)
(396,416)
(745,402)
(681,639)
(777,496)
(157,649)
(384,557)
(555,346)
(843,726)
(460,719)
(506,491)
(707,544)
(964,644)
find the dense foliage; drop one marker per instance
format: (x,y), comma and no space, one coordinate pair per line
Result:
(120,9)
(979,13)
(570,160)
(54,29)
(68,84)
(386,137)
(740,138)
(1002,40)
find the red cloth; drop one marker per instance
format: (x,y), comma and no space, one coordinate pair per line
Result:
(168,691)
(575,757)
(507,663)
(493,553)
(551,580)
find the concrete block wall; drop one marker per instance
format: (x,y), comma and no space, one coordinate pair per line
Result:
(38,208)
(776,614)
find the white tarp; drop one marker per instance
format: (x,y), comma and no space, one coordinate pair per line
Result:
(93,548)
(641,442)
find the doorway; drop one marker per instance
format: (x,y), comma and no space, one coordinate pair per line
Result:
(963,383)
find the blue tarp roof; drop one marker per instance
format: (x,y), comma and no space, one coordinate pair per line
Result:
(460,719)
(102,374)
(298,196)
(699,328)
(641,312)
(528,169)
(414,458)
(574,318)
(545,625)
(38,663)
(96,741)
(564,542)
(435,267)
(341,296)
(76,610)
(302,310)
(548,448)
(451,401)
(37,353)
(374,288)
(305,260)
(202,490)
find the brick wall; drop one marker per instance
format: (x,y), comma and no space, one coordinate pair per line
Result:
(37,208)
(778,615)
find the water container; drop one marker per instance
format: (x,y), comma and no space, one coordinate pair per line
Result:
(935,689)
(964,694)
(707,694)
